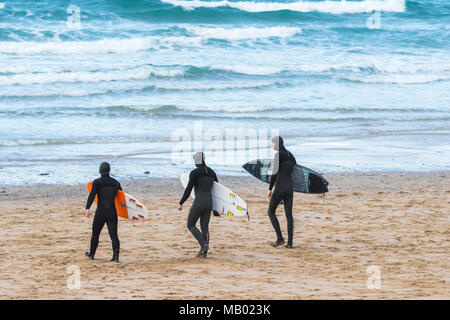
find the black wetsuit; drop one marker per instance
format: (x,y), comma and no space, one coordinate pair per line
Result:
(284,162)
(202,178)
(105,188)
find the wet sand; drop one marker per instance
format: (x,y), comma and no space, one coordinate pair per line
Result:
(397,222)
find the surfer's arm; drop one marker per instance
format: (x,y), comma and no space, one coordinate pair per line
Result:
(293,158)
(188,189)
(273,178)
(276,165)
(215,177)
(92,195)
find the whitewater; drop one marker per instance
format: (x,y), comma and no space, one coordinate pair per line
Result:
(354,86)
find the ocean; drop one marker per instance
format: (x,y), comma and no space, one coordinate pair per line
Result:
(352,86)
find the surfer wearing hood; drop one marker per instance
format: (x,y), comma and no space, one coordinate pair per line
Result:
(283,164)
(201,179)
(105,188)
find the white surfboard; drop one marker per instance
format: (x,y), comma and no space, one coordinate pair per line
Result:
(136,210)
(224,200)
(127,206)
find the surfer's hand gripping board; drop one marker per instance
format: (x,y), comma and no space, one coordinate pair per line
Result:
(304,180)
(224,200)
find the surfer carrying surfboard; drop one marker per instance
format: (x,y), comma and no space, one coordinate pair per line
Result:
(202,178)
(105,188)
(283,164)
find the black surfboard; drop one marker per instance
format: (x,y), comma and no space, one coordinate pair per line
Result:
(305,180)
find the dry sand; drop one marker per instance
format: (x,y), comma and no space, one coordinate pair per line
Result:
(398,222)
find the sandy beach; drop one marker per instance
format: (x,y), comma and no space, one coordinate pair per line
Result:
(397,222)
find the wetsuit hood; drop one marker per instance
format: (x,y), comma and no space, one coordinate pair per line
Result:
(105,168)
(279,143)
(199,159)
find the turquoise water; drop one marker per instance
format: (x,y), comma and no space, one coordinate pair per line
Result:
(353,85)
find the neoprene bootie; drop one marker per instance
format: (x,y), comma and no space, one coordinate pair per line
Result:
(115,257)
(277,243)
(203,251)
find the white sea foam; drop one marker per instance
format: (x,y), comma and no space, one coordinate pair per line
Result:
(22,142)
(216,86)
(335,7)
(383,65)
(36,91)
(243,33)
(211,108)
(373,71)
(366,66)
(400,78)
(122,46)
(139,73)
(49,92)
(103,46)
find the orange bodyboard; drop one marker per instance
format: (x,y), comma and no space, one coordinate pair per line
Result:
(119,201)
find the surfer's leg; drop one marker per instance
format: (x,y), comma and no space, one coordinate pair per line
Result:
(194,215)
(97,226)
(273,204)
(112,229)
(204,225)
(288,200)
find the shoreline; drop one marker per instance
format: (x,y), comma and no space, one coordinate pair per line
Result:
(158,180)
(397,222)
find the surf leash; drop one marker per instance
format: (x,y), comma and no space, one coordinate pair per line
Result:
(313,214)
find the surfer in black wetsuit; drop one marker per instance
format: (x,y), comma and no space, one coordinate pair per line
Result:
(105,188)
(202,178)
(283,164)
